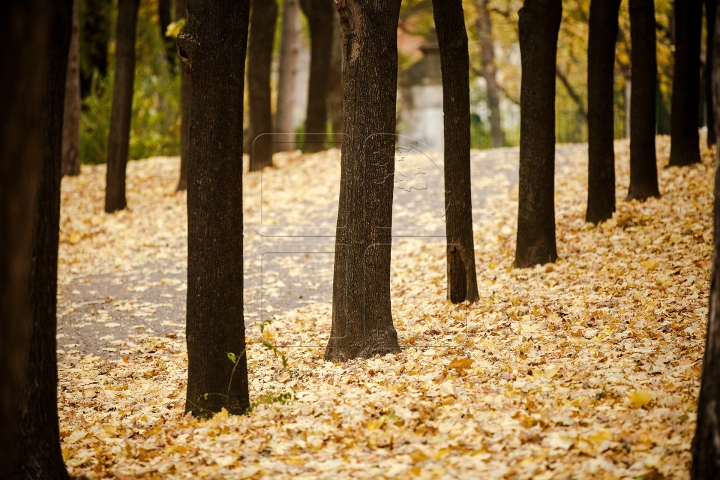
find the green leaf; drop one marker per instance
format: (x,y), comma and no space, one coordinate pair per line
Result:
(232,357)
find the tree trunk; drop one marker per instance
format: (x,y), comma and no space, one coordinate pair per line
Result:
(262,35)
(164,19)
(710,14)
(180,12)
(538,26)
(319,14)
(95,18)
(39,443)
(487,56)
(705,445)
(23,24)
(455,65)
(601,154)
(71,122)
(215,324)
(121,112)
(289,56)
(335,89)
(361,315)
(643,163)
(684,136)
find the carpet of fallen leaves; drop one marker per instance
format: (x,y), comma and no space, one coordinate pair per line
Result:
(588,367)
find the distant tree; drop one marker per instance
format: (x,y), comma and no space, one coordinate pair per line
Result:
(289,56)
(705,447)
(684,136)
(643,163)
(95,27)
(71,122)
(24,26)
(319,14)
(455,64)
(710,14)
(212,45)
(260,48)
(489,70)
(39,440)
(164,19)
(600,77)
(121,112)
(180,13)
(361,317)
(538,28)
(334,98)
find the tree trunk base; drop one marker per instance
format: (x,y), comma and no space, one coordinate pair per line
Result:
(340,350)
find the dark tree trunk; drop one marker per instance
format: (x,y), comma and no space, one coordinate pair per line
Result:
(39,443)
(705,445)
(121,112)
(538,26)
(489,70)
(335,89)
(71,122)
(455,64)
(601,154)
(710,14)
(215,218)
(165,19)
(684,136)
(319,14)
(23,24)
(643,163)
(361,319)
(260,48)
(288,66)
(95,18)
(180,12)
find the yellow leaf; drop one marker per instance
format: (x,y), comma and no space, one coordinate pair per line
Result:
(419,456)
(640,398)
(461,363)
(650,264)
(600,436)
(376,424)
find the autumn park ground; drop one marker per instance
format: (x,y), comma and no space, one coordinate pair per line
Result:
(586,368)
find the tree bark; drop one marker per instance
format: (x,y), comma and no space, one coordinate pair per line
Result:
(710,21)
(643,163)
(538,26)
(335,89)
(165,19)
(39,443)
(489,70)
(262,35)
(684,136)
(289,56)
(71,122)
(319,15)
(705,445)
(181,12)
(120,115)
(212,45)
(23,24)
(455,65)
(95,18)
(601,153)
(361,315)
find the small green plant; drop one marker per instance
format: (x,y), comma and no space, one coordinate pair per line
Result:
(282,398)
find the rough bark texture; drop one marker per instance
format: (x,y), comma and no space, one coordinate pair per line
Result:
(335,88)
(119,138)
(212,45)
(289,56)
(489,70)
(23,24)
(538,26)
(181,12)
(361,315)
(39,454)
(643,163)
(165,19)
(455,65)
(95,18)
(260,47)
(71,122)
(710,21)
(319,15)
(684,136)
(601,154)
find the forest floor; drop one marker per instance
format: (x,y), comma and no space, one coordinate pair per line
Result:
(588,367)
